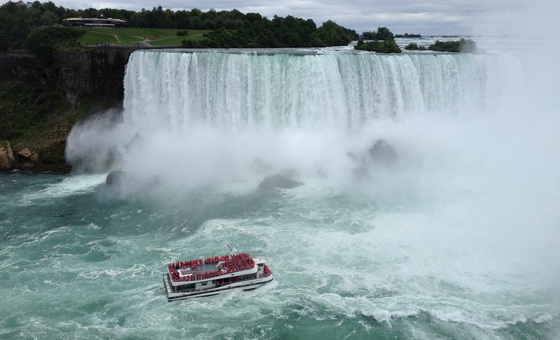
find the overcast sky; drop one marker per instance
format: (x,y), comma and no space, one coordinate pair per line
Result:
(426,17)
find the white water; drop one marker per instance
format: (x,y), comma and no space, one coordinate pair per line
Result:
(464,227)
(218,117)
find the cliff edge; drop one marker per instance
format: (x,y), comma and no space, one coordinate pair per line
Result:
(40,104)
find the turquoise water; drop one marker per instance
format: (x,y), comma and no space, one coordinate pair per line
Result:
(457,238)
(79,260)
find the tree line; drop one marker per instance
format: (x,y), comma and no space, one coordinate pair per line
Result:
(462,45)
(229,28)
(383,41)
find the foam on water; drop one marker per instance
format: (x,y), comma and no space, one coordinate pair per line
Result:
(67,187)
(457,239)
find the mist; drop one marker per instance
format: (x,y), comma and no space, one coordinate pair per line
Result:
(470,200)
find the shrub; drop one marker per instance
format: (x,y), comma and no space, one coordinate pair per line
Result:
(414,47)
(378,46)
(463,45)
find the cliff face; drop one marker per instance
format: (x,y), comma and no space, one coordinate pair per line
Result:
(94,76)
(20,66)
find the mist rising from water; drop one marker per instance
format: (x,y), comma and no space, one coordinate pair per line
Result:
(208,118)
(471,202)
(464,225)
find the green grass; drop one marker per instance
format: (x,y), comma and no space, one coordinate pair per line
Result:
(135,36)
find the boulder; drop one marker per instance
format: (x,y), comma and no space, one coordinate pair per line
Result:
(382,153)
(26,153)
(128,182)
(279,181)
(361,173)
(119,178)
(7,161)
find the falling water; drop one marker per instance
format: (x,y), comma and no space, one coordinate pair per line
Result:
(455,237)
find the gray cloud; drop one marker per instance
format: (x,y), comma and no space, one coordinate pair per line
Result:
(401,16)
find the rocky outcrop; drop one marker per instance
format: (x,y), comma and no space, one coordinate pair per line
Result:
(382,153)
(124,182)
(279,181)
(44,153)
(20,66)
(7,160)
(119,177)
(95,73)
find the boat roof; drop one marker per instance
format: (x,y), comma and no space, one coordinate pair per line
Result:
(203,269)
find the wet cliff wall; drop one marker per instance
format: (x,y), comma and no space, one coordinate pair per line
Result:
(19,66)
(40,103)
(94,74)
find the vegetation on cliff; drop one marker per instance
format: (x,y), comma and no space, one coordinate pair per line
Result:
(138,37)
(276,33)
(45,42)
(38,106)
(228,28)
(30,120)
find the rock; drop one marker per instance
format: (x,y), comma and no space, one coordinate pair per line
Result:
(279,181)
(5,133)
(361,173)
(26,153)
(35,158)
(119,178)
(382,152)
(260,166)
(127,182)
(7,161)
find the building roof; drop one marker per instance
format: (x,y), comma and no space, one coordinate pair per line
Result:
(108,20)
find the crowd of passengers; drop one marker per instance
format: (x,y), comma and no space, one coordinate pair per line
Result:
(231,264)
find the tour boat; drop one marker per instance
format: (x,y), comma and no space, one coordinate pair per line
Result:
(214,275)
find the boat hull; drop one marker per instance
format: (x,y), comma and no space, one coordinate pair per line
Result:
(244,285)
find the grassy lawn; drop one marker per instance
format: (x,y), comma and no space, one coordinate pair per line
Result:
(135,36)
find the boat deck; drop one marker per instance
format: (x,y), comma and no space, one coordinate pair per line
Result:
(201,269)
(201,277)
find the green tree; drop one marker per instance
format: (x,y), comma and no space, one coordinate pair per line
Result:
(414,47)
(48,18)
(385,46)
(462,45)
(45,41)
(382,33)
(331,34)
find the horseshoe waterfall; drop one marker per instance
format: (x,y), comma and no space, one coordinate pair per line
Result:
(426,203)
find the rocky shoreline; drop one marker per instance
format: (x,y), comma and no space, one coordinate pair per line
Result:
(85,82)
(46,154)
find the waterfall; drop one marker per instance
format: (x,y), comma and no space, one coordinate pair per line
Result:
(233,116)
(310,91)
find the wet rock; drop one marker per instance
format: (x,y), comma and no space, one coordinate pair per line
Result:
(361,173)
(260,166)
(119,178)
(26,153)
(382,153)
(7,161)
(123,180)
(279,181)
